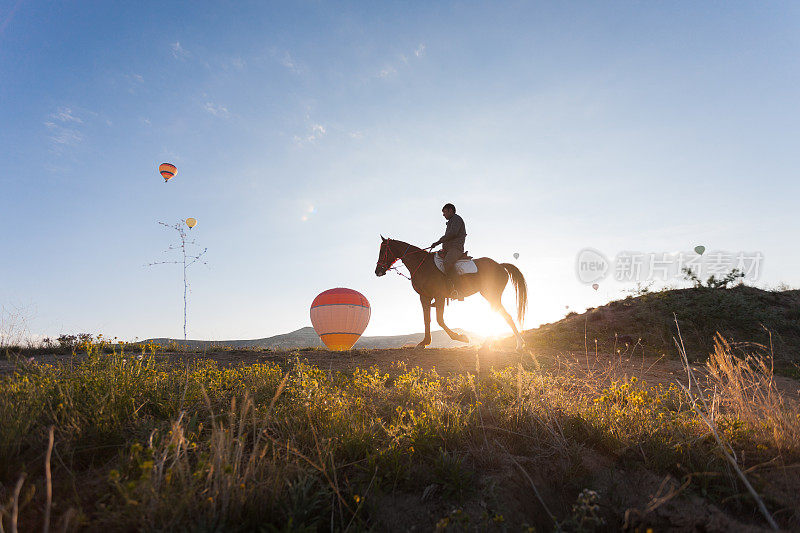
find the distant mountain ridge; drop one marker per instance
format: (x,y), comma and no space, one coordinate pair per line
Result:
(307,338)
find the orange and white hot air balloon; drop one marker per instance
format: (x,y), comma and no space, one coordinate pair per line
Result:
(168,170)
(191,222)
(339,317)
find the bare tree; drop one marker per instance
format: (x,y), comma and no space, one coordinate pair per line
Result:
(190,254)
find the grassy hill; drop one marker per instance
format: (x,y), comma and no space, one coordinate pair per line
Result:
(147,442)
(741,314)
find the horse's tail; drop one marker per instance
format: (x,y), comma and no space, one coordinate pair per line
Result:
(522,290)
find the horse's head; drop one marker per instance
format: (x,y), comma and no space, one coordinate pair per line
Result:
(386,258)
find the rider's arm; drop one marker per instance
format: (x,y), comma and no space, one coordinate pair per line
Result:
(443,238)
(454,227)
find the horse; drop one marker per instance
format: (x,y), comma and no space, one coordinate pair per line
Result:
(429,282)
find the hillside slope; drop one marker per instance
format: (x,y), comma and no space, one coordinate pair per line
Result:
(740,314)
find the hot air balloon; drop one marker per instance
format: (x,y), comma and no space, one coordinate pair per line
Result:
(191,222)
(699,249)
(167,170)
(595,286)
(516,255)
(339,317)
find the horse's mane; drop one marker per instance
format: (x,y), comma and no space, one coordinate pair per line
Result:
(400,244)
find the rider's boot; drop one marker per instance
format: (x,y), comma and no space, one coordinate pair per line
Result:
(451,285)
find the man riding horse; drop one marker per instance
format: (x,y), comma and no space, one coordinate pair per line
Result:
(452,245)
(434,289)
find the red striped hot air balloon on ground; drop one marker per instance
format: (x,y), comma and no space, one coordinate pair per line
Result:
(339,317)
(167,170)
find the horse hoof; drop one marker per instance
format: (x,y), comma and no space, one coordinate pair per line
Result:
(422,344)
(463,338)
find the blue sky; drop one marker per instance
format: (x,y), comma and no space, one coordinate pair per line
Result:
(302,131)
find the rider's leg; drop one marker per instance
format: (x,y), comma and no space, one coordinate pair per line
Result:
(450,274)
(450,279)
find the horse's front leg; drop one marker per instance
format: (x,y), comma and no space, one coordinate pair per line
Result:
(440,319)
(426,317)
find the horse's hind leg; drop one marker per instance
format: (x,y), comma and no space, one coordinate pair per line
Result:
(497,305)
(510,322)
(440,319)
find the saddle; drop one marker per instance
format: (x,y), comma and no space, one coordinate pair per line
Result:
(465,265)
(465,255)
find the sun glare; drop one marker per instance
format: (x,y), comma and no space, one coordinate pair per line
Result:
(476,316)
(547,303)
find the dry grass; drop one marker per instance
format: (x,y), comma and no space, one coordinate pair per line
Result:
(145,444)
(746,386)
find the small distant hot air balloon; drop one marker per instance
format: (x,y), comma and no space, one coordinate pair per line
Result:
(699,249)
(339,317)
(516,255)
(595,286)
(168,170)
(191,222)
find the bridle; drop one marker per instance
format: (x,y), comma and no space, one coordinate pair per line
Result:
(386,263)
